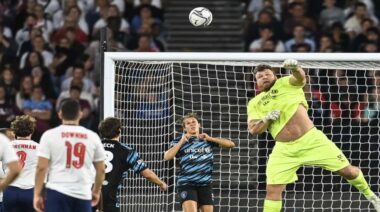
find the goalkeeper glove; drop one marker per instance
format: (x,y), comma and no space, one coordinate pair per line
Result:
(272,116)
(290,64)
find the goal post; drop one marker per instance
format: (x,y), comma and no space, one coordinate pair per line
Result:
(150,91)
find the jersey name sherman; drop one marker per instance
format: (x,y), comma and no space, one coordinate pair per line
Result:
(265,99)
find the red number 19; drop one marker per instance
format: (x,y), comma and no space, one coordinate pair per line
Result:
(78,151)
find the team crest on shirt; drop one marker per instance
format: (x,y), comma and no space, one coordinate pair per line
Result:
(183,194)
(274,93)
(139,161)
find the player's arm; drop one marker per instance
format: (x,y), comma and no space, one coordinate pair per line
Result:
(14,170)
(298,77)
(258,126)
(225,143)
(170,154)
(152,177)
(42,167)
(99,178)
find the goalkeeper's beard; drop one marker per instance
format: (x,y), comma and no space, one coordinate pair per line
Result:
(269,86)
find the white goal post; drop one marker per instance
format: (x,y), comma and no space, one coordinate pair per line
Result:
(217,86)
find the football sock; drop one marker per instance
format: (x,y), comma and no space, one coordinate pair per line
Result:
(361,184)
(272,206)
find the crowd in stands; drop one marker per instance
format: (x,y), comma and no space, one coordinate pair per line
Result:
(312,26)
(48,51)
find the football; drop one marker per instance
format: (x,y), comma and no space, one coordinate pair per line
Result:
(200,16)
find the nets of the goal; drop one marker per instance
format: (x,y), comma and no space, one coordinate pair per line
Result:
(150,96)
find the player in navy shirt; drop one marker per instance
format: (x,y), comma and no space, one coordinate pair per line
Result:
(194,150)
(119,159)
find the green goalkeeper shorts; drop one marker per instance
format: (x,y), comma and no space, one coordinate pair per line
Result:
(312,149)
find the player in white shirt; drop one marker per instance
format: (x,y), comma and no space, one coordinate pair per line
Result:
(7,132)
(68,153)
(10,159)
(18,196)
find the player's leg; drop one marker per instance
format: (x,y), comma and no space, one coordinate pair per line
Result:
(26,199)
(82,205)
(273,198)
(281,170)
(188,198)
(334,160)
(10,199)
(56,201)
(205,199)
(355,177)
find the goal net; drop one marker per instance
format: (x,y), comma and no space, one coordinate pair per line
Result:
(149,92)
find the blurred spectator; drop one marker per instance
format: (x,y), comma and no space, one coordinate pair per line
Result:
(51,6)
(372,109)
(8,111)
(79,76)
(75,12)
(340,39)
(372,35)
(38,45)
(25,91)
(112,11)
(8,48)
(39,108)
(145,45)
(154,7)
(344,99)
(326,43)
(301,47)
(8,80)
(83,95)
(146,30)
(353,24)
(331,14)
(370,47)
(75,93)
(255,6)
(144,17)
(41,77)
(71,23)
(366,24)
(156,3)
(266,33)
(22,34)
(42,22)
(297,17)
(25,9)
(299,38)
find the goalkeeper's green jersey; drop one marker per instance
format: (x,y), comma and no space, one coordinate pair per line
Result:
(282,96)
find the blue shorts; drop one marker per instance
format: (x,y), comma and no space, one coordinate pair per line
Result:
(58,202)
(17,199)
(1,207)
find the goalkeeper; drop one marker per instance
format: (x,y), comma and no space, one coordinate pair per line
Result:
(281,108)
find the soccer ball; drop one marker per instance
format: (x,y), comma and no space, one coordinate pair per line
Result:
(200,16)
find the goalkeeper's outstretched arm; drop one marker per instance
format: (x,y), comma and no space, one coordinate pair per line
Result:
(298,77)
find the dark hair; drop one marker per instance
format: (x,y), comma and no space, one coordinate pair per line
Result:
(189,115)
(109,128)
(70,109)
(23,125)
(261,67)
(359,4)
(75,88)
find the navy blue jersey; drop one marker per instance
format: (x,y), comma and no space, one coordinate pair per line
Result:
(119,159)
(195,161)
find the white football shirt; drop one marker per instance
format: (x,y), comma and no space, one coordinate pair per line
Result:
(26,150)
(2,175)
(7,154)
(71,151)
